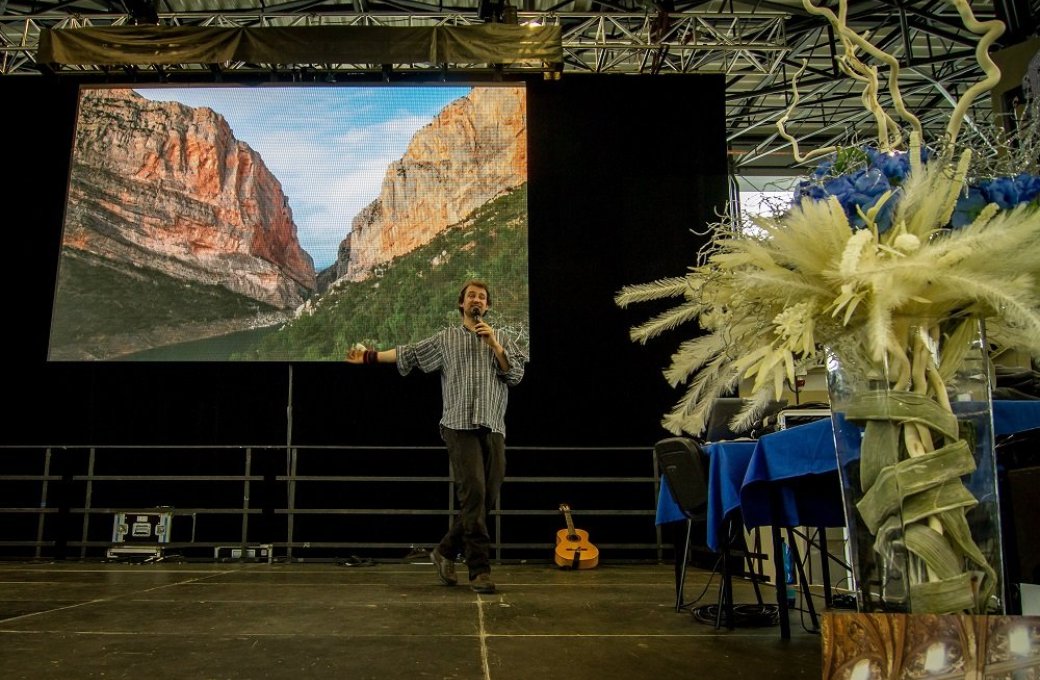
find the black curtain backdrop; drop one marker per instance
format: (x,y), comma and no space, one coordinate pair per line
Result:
(623,170)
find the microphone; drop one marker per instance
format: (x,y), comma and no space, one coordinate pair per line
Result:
(474,313)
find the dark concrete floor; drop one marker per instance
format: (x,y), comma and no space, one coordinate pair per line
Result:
(383,621)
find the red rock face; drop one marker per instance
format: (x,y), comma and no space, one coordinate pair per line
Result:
(168,187)
(474,150)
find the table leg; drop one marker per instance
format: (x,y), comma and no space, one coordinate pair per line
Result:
(781,584)
(825,562)
(797,561)
(725,606)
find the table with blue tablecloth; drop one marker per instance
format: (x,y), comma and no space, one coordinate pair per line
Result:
(789,478)
(788,467)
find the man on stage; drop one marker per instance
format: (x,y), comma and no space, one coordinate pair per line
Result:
(478,366)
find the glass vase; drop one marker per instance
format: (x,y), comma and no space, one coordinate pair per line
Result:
(913,433)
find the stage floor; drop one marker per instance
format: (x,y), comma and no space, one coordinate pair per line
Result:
(162,620)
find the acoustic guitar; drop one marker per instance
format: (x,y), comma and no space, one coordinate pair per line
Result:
(573,549)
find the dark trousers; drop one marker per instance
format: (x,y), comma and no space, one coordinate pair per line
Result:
(478,464)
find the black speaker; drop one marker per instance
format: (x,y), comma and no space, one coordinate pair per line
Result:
(685,466)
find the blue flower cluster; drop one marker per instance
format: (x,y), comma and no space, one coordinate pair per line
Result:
(1006,192)
(858,177)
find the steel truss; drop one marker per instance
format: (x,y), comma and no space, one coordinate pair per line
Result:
(757,51)
(593,42)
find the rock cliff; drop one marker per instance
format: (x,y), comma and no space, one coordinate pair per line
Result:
(474,150)
(168,187)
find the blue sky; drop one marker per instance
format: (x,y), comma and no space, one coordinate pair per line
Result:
(328,146)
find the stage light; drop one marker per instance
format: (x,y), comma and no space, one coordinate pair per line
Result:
(497,11)
(141,12)
(488,10)
(508,15)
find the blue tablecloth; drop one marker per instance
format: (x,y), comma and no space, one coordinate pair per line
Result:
(799,473)
(729,462)
(797,470)
(1010,417)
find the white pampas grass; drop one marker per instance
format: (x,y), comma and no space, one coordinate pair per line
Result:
(749,295)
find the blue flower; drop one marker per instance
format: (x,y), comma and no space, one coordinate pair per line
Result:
(867,187)
(1006,192)
(858,177)
(823,169)
(895,166)
(1003,191)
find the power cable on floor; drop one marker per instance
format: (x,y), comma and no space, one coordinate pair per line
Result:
(744,615)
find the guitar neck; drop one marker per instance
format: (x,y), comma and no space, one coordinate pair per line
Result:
(570,522)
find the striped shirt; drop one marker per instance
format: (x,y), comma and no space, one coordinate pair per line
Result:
(474,390)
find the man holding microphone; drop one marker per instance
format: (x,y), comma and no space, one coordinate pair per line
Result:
(477,368)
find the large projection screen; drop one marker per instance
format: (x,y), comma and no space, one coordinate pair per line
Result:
(287,222)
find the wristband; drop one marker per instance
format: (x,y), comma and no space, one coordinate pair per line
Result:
(371,356)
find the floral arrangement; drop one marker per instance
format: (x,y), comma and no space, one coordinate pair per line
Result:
(855,253)
(876,233)
(891,255)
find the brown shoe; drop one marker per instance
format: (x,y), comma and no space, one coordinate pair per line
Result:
(482,584)
(445,567)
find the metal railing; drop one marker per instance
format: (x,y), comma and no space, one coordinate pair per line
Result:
(318,503)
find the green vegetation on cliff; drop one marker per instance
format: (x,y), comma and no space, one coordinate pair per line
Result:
(416,294)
